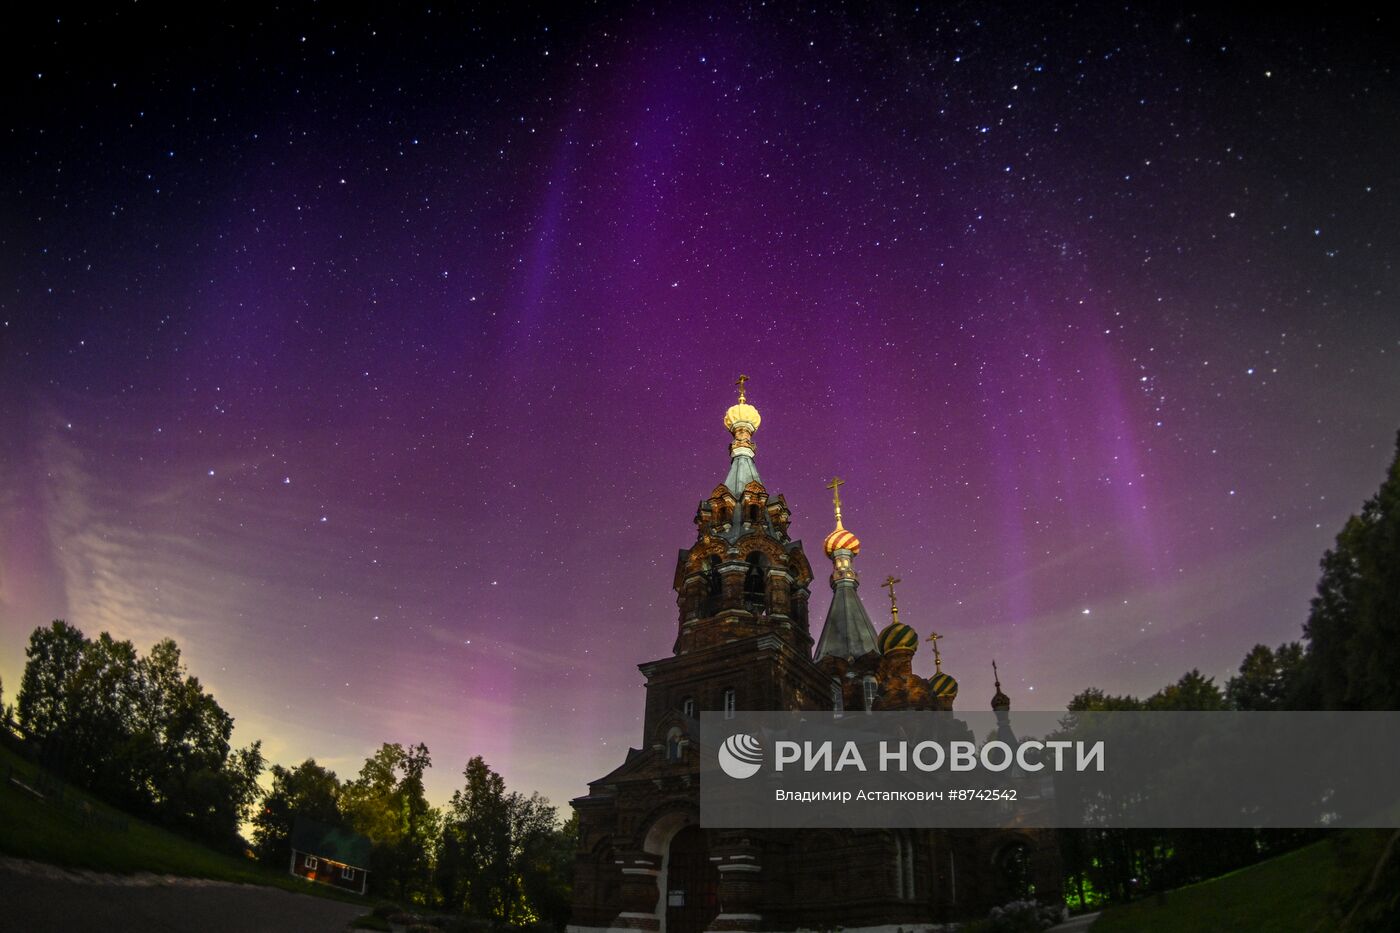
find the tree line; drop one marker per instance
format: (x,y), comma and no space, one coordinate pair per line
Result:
(142,733)
(490,853)
(1348,659)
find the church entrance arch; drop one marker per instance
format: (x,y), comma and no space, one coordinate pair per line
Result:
(690,883)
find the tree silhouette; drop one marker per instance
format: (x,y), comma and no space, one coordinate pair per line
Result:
(1353,630)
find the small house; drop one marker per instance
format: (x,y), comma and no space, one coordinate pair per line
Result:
(330,855)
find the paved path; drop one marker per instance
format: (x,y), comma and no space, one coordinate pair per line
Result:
(1079,924)
(38,898)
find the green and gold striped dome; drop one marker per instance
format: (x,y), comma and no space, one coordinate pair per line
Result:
(898,637)
(943,685)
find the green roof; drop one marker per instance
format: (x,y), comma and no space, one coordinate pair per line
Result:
(334,843)
(848,632)
(742,471)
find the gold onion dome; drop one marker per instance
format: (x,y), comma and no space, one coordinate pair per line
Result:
(841,540)
(898,637)
(742,414)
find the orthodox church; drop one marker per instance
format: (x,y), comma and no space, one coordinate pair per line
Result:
(744,642)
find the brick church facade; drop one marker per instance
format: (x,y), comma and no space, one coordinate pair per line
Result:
(744,642)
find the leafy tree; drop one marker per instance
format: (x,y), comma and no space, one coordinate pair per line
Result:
(387,804)
(1353,629)
(52,657)
(99,726)
(532,851)
(473,858)
(241,773)
(1192,693)
(307,790)
(502,855)
(546,872)
(1268,679)
(139,731)
(420,826)
(1096,701)
(190,733)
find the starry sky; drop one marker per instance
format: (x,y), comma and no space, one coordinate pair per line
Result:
(381,361)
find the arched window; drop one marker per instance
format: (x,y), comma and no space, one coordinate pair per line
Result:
(730,702)
(714,586)
(906,840)
(688,707)
(675,740)
(837,703)
(870,687)
(756,583)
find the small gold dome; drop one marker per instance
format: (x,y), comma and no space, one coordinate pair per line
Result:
(840,540)
(741,414)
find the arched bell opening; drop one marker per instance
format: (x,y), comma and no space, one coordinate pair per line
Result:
(756,583)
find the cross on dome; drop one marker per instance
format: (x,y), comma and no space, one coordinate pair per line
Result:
(889,583)
(937,658)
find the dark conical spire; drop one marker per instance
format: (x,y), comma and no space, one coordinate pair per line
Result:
(848,632)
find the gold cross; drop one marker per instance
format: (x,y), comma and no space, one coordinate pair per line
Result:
(740,383)
(995,676)
(889,583)
(937,659)
(834,486)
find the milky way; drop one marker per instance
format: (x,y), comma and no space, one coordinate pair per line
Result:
(381,362)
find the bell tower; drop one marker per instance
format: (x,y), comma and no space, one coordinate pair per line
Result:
(742,643)
(742,636)
(744,576)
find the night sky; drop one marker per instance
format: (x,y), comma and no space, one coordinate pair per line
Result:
(381,361)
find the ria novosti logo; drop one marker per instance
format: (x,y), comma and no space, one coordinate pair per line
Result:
(741,755)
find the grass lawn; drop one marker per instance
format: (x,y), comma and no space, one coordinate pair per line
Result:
(1301,891)
(82,832)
